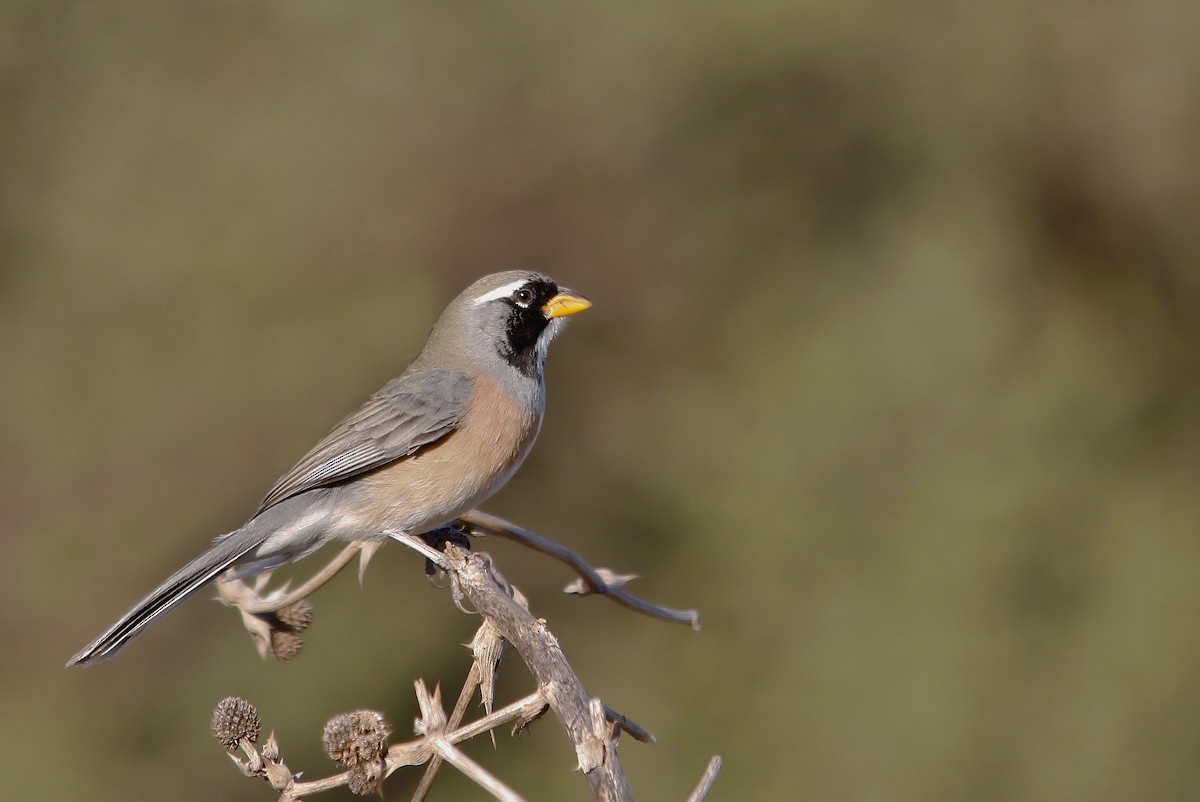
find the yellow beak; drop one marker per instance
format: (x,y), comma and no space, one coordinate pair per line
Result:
(565,303)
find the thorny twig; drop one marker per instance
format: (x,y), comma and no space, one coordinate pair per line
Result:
(257,605)
(282,598)
(436,738)
(592,727)
(599,581)
(582,716)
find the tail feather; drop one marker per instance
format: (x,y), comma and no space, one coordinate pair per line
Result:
(182,584)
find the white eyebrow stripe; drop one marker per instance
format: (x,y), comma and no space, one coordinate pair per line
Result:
(501,292)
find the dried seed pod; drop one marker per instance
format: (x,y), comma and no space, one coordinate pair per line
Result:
(285,645)
(296,617)
(234,719)
(365,778)
(356,739)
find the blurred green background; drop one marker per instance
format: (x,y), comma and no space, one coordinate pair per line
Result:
(893,373)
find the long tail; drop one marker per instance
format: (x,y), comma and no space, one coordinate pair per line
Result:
(225,551)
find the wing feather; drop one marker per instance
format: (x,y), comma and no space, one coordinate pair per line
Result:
(409,413)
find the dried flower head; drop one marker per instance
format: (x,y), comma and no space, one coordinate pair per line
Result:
(365,779)
(285,645)
(356,739)
(296,617)
(234,719)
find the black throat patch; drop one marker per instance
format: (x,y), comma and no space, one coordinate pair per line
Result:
(524,324)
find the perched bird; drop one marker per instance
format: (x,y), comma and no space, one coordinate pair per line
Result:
(429,446)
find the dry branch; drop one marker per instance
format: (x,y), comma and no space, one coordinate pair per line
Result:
(599,581)
(593,728)
(595,741)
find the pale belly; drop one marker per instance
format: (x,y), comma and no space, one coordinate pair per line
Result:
(441,482)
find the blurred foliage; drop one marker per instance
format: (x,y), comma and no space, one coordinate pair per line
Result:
(893,372)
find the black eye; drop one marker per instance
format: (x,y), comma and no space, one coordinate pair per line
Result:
(523,297)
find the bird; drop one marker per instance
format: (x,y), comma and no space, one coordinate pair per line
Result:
(427,447)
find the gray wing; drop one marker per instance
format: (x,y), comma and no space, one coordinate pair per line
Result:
(410,412)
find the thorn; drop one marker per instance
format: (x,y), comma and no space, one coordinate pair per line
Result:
(366,550)
(612,580)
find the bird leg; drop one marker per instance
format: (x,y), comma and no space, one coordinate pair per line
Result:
(437,539)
